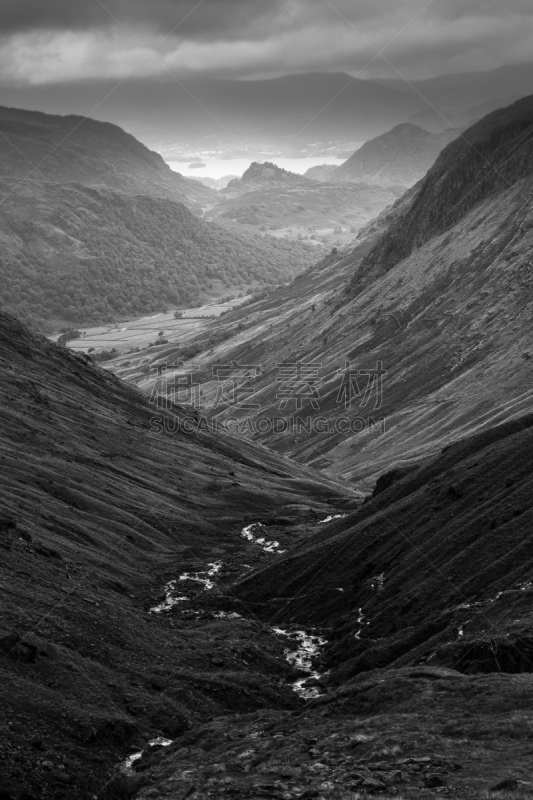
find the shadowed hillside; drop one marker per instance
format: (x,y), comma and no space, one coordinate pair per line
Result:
(36,147)
(99,510)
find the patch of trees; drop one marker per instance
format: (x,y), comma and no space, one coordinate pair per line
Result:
(92,255)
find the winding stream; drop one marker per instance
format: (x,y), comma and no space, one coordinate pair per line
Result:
(203,577)
(250,533)
(308,645)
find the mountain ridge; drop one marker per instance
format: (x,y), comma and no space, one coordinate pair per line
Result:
(401,156)
(73,148)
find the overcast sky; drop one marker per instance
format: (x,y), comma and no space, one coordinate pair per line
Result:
(48,41)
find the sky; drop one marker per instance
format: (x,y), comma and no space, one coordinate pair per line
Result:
(70,41)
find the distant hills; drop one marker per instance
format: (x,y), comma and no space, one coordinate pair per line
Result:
(468,90)
(94,225)
(273,199)
(291,111)
(399,157)
(209,113)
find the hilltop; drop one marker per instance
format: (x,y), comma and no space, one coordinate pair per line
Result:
(265,176)
(400,157)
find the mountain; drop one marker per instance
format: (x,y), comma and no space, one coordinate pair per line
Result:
(462,91)
(234,623)
(209,113)
(265,176)
(437,292)
(431,119)
(491,157)
(103,503)
(99,230)
(35,146)
(269,198)
(400,157)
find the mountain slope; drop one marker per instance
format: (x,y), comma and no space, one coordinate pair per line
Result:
(438,292)
(81,254)
(424,596)
(35,147)
(101,507)
(491,156)
(401,156)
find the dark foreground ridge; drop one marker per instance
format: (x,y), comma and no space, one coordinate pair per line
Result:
(144,602)
(424,594)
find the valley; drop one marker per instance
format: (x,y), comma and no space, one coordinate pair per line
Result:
(444,308)
(265,523)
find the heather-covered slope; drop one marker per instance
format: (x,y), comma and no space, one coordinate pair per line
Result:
(99,509)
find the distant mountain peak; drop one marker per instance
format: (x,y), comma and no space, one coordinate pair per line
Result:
(268,171)
(266,174)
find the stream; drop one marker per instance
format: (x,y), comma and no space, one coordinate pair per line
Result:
(308,645)
(304,645)
(250,533)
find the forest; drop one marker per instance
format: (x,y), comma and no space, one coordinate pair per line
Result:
(86,255)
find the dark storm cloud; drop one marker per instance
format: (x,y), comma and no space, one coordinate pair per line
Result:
(46,41)
(211,18)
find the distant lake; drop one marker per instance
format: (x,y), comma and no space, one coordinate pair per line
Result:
(220,167)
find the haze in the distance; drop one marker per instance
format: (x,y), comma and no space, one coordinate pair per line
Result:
(187,76)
